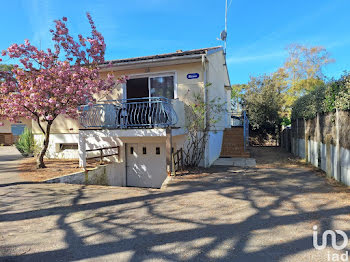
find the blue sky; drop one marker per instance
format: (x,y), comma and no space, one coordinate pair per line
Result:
(258,31)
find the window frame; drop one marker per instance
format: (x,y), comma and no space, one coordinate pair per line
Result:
(153,75)
(63,145)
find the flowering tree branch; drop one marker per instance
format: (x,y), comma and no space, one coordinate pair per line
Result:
(54,82)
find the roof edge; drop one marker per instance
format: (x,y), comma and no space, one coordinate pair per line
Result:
(179,54)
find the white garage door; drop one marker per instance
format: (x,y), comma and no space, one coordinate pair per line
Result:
(146,165)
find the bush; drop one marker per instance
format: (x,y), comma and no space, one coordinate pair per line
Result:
(310,104)
(325,98)
(25,143)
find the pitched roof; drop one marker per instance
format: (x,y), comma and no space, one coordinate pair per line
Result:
(178,54)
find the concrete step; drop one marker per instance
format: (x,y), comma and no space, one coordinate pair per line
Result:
(236,155)
(235,161)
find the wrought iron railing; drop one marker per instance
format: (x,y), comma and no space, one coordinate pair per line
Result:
(245,130)
(146,112)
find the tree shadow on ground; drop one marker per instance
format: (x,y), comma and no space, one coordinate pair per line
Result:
(229,215)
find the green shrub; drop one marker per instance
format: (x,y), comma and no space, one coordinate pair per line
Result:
(325,98)
(25,143)
(310,104)
(342,100)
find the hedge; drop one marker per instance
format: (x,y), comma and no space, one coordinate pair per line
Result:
(324,98)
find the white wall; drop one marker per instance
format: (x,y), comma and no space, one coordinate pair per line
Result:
(53,150)
(111,175)
(215,144)
(345,166)
(326,158)
(217,77)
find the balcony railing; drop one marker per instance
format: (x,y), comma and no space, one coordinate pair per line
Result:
(147,112)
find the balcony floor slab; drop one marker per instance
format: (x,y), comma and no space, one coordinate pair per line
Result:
(151,132)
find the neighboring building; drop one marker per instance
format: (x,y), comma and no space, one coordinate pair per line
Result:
(9,131)
(144,125)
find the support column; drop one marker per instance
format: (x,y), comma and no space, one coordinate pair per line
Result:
(337,167)
(82,150)
(318,141)
(297,140)
(306,138)
(169,154)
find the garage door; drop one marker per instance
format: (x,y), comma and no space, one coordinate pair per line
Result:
(146,165)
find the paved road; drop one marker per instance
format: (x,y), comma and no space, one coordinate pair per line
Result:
(227,214)
(9,159)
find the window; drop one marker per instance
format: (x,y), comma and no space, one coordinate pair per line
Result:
(157,150)
(68,146)
(17,130)
(144,150)
(151,86)
(131,150)
(162,86)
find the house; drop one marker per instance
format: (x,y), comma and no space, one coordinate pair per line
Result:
(9,131)
(144,119)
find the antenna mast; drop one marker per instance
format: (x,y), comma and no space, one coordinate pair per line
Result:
(223,34)
(225,26)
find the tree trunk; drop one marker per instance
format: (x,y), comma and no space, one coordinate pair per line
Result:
(40,160)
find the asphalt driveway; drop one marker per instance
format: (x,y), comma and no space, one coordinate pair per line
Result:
(226,214)
(9,159)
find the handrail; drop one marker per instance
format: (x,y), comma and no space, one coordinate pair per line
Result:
(145,112)
(240,119)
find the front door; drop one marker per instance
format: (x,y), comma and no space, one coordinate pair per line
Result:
(146,165)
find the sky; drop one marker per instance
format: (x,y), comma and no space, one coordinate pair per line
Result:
(258,30)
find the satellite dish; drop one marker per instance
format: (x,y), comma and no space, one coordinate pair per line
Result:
(223,35)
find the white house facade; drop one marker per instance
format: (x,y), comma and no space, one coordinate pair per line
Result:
(142,122)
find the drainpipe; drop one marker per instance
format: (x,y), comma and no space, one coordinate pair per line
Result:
(206,119)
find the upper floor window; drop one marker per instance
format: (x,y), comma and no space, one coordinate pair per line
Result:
(151,86)
(162,86)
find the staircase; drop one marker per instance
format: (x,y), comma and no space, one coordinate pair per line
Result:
(233,143)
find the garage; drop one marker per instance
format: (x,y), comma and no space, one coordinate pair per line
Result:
(145,164)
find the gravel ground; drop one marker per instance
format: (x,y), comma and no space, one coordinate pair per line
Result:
(225,214)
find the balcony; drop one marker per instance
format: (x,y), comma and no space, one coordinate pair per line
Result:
(146,112)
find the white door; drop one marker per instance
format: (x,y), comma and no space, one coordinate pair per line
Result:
(146,165)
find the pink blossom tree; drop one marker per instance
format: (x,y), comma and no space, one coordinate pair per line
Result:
(49,83)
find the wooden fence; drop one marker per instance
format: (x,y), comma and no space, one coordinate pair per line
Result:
(178,160)
(101,156)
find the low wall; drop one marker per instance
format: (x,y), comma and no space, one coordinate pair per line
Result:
(214,143)
(106,175)
(325,143)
